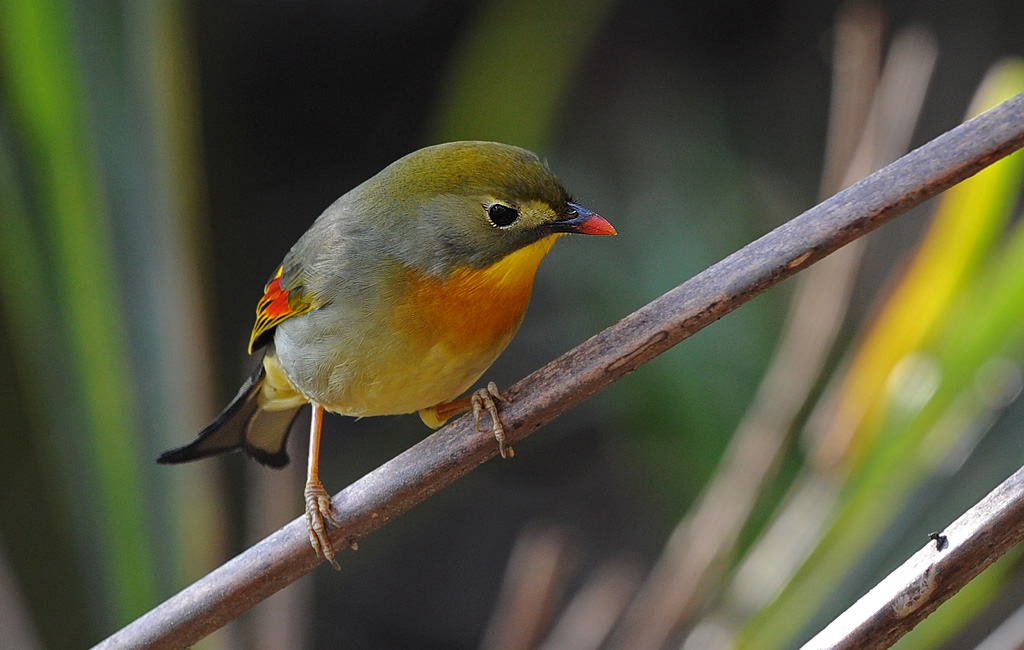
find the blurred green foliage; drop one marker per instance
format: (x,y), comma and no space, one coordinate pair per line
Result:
(84,224)
(72,240)
(932,393)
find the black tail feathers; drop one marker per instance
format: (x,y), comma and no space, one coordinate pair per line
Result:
(242,425)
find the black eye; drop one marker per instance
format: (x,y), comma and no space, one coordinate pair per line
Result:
(502,215)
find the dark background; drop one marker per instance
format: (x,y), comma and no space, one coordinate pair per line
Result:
(694,127)
(721,106)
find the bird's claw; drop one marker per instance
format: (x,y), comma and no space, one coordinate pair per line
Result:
(318,516)
(483,401)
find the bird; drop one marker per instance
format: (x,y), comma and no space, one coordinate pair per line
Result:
(397,299)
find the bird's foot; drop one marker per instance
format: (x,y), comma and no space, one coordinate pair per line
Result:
(483,401)
(318,516)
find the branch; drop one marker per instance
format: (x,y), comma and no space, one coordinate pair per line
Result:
(699,547)
(456,449)
(933,574)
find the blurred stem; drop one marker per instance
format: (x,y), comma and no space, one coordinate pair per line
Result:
(41,79)
(966,224)
(927,395)
(891,123)
(176,275)
(855,68)
(588,618)
(173,280)
(16,630)
(701,543)
(35,336)
(698,548)
(535,579)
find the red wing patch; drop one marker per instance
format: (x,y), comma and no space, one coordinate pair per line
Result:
(276,305)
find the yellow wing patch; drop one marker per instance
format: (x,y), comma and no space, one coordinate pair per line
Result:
(276,305)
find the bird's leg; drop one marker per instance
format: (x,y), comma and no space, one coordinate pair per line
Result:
(318,502)
(483,400)
(480,401)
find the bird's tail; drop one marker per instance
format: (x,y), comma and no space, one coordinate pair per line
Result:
(260,433)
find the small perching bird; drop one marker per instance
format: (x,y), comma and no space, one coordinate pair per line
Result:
(396,300)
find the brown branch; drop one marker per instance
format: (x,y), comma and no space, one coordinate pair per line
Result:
(456,449)
(698,547)
(934,574)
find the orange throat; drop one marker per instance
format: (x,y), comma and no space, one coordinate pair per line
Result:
(475,311)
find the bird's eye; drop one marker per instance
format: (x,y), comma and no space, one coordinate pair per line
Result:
(502,215)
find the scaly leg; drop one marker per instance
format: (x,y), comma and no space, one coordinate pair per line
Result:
(318,502)
(481,401)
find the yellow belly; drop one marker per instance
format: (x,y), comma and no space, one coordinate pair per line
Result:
(433,343)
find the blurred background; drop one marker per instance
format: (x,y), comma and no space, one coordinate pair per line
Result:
(158,159)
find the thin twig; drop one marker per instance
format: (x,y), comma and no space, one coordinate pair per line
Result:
(456,449)
(933,574)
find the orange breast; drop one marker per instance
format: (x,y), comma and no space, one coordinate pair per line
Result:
(474,312)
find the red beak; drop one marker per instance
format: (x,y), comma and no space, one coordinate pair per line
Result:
(583,221)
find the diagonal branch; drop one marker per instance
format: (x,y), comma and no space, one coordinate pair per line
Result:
(698,549)
(931,576)
(456,449)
